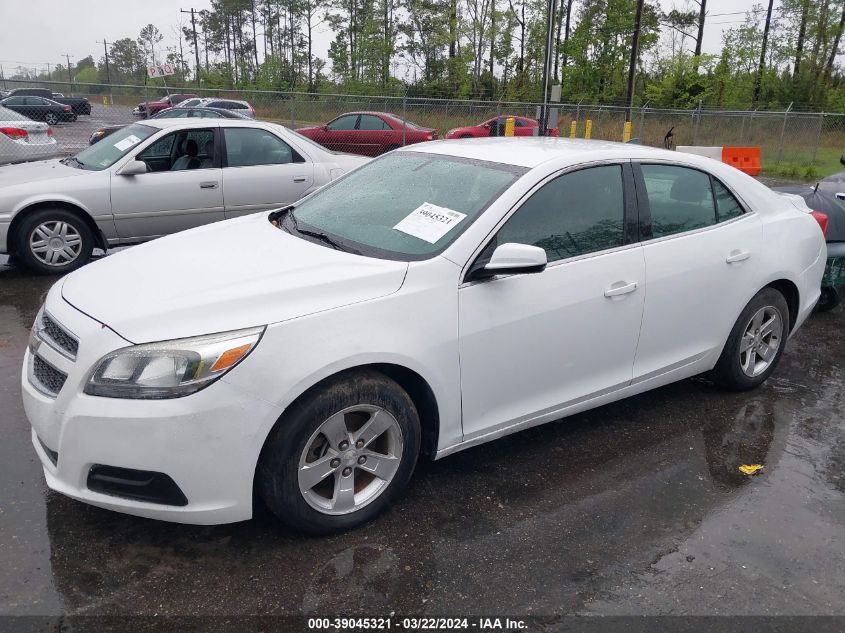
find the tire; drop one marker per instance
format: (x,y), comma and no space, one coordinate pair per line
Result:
(740,370)
(829,299)
(343,408)
(53,234)
(74,117)
(51,119)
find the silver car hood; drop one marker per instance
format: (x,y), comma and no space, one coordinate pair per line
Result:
(25,173)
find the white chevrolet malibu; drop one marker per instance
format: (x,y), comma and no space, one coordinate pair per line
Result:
(431,300)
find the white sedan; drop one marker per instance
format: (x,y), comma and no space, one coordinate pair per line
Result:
(151,179)
(439,297)
(22,139)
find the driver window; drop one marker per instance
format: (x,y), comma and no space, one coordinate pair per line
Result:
(344,123)
(574,214)
(179,151)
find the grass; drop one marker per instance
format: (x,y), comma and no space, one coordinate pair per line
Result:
(825,164)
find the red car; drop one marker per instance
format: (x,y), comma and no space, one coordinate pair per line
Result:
(523,126)
(161,104)
(367,133)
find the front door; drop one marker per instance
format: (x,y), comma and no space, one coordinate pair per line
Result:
(533,344)
(181,190)
(262,172)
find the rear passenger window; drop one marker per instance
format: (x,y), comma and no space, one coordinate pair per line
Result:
(577,213)
(246,147)
(680,199)
(727,206)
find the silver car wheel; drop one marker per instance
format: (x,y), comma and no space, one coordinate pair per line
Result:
(55,243)
(350,459)
(761,341)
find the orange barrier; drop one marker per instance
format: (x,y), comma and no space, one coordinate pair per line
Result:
(746,159)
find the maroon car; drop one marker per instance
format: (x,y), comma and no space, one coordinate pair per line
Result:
(367,133)
(160,104)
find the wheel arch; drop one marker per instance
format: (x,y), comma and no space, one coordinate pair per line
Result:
(14,227)
(790,292)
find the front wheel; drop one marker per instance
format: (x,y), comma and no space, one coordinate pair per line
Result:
(829,299)
(53,242)
(341,456)
(755,344)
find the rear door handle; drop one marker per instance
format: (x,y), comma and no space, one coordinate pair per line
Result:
(737,256)
(299,178)
(840,196)
(208,185)
(620,288)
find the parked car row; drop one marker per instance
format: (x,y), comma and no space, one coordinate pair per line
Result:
(172,113)
(435,298)
(40,109)
(79,105)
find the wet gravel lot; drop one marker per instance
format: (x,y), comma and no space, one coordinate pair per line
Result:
(633,508)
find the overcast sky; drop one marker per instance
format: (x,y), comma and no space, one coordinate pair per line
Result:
(52,28)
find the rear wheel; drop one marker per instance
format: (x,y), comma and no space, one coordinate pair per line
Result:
(829,299)
(51,118)
(755,344)
(53,241)
(340,457)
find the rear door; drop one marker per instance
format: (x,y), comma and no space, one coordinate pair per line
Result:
(168,199)
(702,254)
(262,171)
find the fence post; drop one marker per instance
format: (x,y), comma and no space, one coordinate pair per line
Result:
(640,133)
(742,130)
(292,112)
(696,114)
(404,123)
(782,132)
(818,137)
(578,113)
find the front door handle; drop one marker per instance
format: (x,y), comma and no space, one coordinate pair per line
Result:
(299,178)
(208,185)
(737,256)
(620,288)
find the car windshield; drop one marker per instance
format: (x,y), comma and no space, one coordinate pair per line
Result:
(404,205)
(107,152)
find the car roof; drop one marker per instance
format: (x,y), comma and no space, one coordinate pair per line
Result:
(163,124)
(533,151)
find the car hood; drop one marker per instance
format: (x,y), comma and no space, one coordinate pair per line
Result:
(23,173)
(224,276)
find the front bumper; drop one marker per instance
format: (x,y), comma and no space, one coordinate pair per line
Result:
(208,443)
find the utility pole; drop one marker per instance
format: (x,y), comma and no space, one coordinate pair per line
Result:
(632,69)
(69,76)
(196,48)
(108,77)
(762,65)
(701,17)
(2,77)
(547,64)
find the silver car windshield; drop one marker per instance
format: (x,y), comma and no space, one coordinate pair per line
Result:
(111,149)
(404,205)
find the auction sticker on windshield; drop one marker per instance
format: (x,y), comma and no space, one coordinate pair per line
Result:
(128,142)
(429,222)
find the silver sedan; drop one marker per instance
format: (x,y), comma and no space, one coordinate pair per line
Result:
(155,178)
(23,139)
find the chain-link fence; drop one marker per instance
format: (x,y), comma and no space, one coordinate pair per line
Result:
(797,145)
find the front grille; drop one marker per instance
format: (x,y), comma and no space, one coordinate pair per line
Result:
(58,335)
(49,378)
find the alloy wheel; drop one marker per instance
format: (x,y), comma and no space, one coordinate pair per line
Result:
(55,243)
(350,459)
(761,341)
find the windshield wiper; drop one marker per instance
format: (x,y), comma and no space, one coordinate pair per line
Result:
(66,161)
(315,234)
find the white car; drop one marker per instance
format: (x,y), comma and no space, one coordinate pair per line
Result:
(439,297)
(155,178)
(22,139)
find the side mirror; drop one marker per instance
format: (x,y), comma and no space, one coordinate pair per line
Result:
(513,259)
(842,159)
(486,126)
(133,168)
(326,127)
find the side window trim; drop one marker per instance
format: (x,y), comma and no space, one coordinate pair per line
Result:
(630,216)
(645,227)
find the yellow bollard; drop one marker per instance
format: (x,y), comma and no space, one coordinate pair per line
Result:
(573,128)
(105,100)
(510,123)
(626,135)
(588,129)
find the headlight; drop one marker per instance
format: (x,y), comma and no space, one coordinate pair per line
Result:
(170,369)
